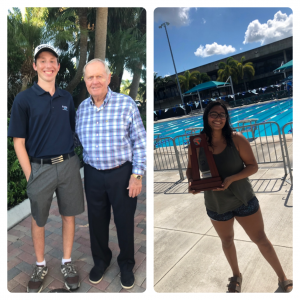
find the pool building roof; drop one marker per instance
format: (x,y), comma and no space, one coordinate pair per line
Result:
(206,85)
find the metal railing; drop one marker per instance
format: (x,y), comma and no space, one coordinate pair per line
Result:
(265,140)
(181,144)
(166,156)
(192,130)
(287,138)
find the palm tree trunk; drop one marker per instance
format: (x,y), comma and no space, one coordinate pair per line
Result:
(114,82)
(135,81)
(101,32)
(120,81)
(82,94)
(82,14)
(245,85)
(25,81)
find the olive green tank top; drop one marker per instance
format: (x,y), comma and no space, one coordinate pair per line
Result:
(238,193)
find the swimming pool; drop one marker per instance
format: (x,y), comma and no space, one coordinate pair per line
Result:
(279,111)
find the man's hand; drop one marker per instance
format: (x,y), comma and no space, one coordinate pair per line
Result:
(27,175)
(134,187)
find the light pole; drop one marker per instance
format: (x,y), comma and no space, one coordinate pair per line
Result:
(165,25)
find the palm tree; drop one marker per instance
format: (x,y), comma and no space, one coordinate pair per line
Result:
(188,80)
(136,62)
(245,68)
(121,47)
(201,77)
(65,23)
(228,69)
(126,45)
(24,34)
(101,32)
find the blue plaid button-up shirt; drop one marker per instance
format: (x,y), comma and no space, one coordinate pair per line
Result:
(112,134)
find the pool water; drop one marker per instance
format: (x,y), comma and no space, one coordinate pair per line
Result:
(280,112)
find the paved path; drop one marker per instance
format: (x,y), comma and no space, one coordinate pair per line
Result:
(21,255)
(188,255)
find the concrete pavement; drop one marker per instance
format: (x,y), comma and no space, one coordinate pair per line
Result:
(188,256)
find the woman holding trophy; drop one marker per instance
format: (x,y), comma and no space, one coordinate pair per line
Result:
(234,199)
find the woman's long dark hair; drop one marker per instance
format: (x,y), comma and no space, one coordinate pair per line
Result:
(226,130)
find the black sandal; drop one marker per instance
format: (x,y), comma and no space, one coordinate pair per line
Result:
(235,284)
(285,284)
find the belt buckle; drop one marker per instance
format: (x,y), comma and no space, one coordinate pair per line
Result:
(57,160)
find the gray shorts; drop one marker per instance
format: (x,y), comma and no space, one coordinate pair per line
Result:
(63,179)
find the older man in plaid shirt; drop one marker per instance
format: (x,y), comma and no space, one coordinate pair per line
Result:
(113,137)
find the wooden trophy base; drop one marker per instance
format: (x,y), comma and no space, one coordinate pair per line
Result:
(206,184)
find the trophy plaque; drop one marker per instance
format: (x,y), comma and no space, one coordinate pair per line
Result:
(209,178)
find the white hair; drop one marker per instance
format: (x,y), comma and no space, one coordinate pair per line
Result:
(100,60)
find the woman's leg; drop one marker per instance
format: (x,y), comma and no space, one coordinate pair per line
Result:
(254,227)
(226,234)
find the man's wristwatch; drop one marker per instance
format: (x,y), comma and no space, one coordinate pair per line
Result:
(137,176)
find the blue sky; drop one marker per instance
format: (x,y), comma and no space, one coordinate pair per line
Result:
(202,35)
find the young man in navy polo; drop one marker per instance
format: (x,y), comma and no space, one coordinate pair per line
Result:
(42,125)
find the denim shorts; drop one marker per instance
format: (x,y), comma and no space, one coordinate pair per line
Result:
(242,211)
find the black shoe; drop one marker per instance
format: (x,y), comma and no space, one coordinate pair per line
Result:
(127,280)
(35,283)
(71,276)
(96,275)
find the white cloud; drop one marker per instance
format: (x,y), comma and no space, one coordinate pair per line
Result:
(241,48)
(176,16)
(277,29)
(167,75)
(204,21)
(214,49)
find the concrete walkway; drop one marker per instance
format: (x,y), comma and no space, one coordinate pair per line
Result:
(188,256)
(21,255)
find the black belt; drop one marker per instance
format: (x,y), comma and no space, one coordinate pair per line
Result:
(117,167)
(54,160)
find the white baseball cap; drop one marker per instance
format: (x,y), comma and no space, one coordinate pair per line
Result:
(44,47)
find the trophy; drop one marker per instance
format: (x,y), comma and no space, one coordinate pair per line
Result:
(209,178)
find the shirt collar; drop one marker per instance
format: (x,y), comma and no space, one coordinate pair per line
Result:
(106,99)
(39,91)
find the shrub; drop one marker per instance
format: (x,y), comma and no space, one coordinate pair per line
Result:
(16,181)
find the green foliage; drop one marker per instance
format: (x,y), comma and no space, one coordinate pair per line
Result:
(228,69)
(143,117)
(16,181)
(79,151)
(125,87)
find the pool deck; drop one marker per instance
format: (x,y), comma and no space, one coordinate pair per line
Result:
(188,256)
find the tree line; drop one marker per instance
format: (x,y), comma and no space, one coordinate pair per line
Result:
(238,70)
(117,35)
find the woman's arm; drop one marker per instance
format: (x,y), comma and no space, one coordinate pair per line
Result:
(247,156)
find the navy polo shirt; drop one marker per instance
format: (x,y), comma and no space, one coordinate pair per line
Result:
(46,122)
